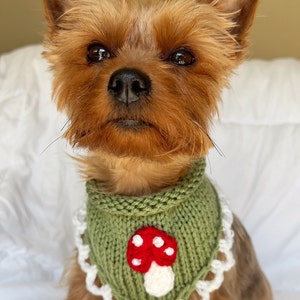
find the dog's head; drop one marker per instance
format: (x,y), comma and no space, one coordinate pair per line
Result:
(142,78)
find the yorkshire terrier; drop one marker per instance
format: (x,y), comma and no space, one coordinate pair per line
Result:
(139,81)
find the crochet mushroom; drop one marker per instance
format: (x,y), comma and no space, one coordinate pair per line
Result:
(152,252)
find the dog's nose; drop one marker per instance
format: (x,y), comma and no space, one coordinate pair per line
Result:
(129,85)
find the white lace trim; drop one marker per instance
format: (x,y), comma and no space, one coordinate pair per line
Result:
(83,254)
(203,287)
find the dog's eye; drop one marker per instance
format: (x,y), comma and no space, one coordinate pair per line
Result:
(97,53)
(182,57)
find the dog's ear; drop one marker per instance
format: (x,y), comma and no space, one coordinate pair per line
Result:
(242,12)
(54,9)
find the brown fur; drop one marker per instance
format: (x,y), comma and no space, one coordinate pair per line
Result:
(142,35)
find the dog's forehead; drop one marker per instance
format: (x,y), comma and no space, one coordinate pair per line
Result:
(158,25)
(147,23)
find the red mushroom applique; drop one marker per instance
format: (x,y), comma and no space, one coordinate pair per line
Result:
(152,252)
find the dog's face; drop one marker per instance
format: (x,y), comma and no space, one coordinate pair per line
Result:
(142,78)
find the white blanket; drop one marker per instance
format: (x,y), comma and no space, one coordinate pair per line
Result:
(258,133)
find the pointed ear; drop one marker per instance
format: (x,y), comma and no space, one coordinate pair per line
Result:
(242,12)
(54,9)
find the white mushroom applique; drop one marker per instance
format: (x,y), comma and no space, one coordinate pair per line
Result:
(152,252)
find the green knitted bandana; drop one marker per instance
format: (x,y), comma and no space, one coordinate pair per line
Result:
(176,232)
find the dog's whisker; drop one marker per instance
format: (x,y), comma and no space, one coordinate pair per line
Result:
(50,144)
(58,138)
(65,125)
(218,149)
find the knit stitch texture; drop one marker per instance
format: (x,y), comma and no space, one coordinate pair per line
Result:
(189,211)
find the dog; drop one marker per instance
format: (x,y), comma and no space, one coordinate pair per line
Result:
(140,81)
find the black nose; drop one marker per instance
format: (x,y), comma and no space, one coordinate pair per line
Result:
(129,85)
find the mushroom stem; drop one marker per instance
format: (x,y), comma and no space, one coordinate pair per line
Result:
(159,280)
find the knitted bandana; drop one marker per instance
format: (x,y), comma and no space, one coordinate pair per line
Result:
(156,246)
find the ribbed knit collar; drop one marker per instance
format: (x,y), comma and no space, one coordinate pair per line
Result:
(148,204)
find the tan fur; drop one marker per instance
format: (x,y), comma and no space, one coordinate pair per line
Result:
(142,35)
(133,175)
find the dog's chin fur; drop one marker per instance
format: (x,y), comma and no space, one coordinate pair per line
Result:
(145,147)
(133,176)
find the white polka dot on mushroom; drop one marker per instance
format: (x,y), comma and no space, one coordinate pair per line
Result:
(136,262)
(158,242)
(169,251)
(137,240)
